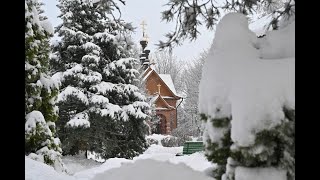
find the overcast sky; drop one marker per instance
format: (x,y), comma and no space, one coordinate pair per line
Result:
(136,11)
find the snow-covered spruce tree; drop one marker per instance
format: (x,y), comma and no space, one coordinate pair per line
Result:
(131,119)
(100,108)
(247,101)
(41,91)
(217,141)
(154,120)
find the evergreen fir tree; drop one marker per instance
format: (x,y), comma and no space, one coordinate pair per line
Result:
(101,109)
(218,150)
(41,91)
(274,147)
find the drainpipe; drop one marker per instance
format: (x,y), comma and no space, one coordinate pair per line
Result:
(177,112)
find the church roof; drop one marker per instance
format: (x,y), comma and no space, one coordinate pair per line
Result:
(147,75)
(168,80)
(160,98)
(154,98)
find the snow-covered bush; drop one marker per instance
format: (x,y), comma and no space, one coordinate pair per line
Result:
(170,141)
(247,101)
(151,141)
(163,140)
(155,139)
(200,138)
(181,136)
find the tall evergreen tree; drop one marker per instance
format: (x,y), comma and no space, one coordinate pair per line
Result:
(41,91)
(101,109)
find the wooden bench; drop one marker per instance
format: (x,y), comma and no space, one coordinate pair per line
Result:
(191,147)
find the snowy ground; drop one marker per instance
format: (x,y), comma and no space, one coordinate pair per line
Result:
(76,164)
(156,163)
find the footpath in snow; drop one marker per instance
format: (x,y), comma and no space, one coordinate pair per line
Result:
(156,163)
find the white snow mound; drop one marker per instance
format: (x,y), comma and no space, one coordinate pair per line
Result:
(150,169)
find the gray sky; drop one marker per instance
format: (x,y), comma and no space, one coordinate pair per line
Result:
(149,10)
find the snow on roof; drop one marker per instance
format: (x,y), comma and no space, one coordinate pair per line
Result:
(167,79)
(167,97)
(147,75)
(144,71)
(152,66)
(153,99)
(162,108)
(141,74)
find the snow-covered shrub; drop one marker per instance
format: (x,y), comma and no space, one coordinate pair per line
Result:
(170,141)
(247,101)
(200,138)
(151,141)
(163,140)
(181,136)
(155,125)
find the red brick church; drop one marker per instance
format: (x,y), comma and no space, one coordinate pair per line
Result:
(161,88)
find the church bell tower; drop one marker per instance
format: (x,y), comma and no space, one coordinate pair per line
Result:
(144,57)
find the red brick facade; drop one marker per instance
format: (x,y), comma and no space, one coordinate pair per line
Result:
(166,103)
